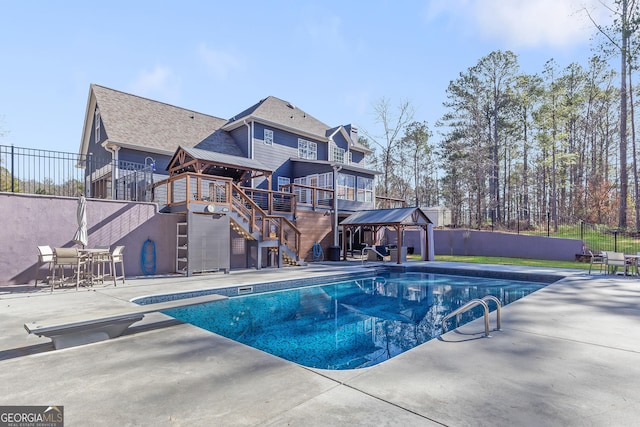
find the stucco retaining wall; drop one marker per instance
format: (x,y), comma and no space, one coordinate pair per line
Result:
(490,243)
(32,220)
(487,243)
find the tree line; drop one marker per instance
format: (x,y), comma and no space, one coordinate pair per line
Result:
(558,146)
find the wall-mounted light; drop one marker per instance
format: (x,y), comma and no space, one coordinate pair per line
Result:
(152,163)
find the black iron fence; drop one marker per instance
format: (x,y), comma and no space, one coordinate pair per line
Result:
(596,237)
(36,171)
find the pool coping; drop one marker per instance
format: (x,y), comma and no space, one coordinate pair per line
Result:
(270,286)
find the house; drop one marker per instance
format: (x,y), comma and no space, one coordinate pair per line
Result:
(233,180)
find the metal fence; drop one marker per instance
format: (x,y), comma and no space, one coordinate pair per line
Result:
(596,237)
(35,171)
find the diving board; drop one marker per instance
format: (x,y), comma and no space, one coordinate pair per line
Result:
(84,328)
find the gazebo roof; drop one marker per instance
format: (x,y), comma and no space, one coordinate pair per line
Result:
(388,217)
(188,159)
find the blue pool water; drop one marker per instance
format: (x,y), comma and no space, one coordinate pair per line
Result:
(353,323)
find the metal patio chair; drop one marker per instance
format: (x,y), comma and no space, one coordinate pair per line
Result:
(68,257)
(45,256)
(614,260)
(597,259)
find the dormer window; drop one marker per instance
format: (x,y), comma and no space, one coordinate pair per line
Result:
(268,137)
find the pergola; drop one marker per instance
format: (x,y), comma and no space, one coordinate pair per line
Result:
(397,219)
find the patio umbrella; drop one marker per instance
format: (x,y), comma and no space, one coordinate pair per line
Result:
(81,236)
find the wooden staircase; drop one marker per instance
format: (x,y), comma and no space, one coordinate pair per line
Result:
(275,232)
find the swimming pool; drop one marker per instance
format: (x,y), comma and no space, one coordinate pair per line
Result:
(351,323)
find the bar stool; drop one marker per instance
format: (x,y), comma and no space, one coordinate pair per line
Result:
(99,261)
(116,257)
(69,257)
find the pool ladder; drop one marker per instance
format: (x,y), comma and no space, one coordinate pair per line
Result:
(472,304)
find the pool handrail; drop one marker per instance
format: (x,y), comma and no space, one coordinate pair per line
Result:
(498,309)
(370,248)
(466,307)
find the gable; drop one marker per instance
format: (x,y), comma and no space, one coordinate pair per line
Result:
(142,124)
(187,159)
(285,115)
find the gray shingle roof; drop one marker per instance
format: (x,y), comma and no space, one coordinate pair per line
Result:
(275,110)
(133,121)
(284,113)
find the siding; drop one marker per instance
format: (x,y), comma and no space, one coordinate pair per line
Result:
(239,135)
(314,227)
(100,155)
(300,169)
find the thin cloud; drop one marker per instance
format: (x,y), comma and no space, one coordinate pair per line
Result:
(159,83)
(219,62)
(520,23)
(326,31)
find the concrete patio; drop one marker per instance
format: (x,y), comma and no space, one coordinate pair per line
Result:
(567,355)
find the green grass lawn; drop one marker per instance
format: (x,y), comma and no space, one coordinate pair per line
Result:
(507,261)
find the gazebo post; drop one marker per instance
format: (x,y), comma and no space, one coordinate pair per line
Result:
(344,243)
(400,243)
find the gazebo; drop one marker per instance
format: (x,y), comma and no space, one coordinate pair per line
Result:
(398,219)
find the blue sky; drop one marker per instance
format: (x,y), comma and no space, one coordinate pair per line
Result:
(333,59)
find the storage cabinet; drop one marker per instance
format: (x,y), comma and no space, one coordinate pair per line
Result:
(202,243)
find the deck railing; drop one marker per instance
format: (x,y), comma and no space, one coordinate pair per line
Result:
(311,197)
(192,188)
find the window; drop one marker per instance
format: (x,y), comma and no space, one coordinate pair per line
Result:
(325,180)
(365,189)
(96,126)
(268,137)
(337,154)
(283,180)
(346,186)
(303,195)
(321,182)
(340,155)
(307,149)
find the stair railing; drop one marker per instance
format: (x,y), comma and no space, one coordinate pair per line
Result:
(268,226)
